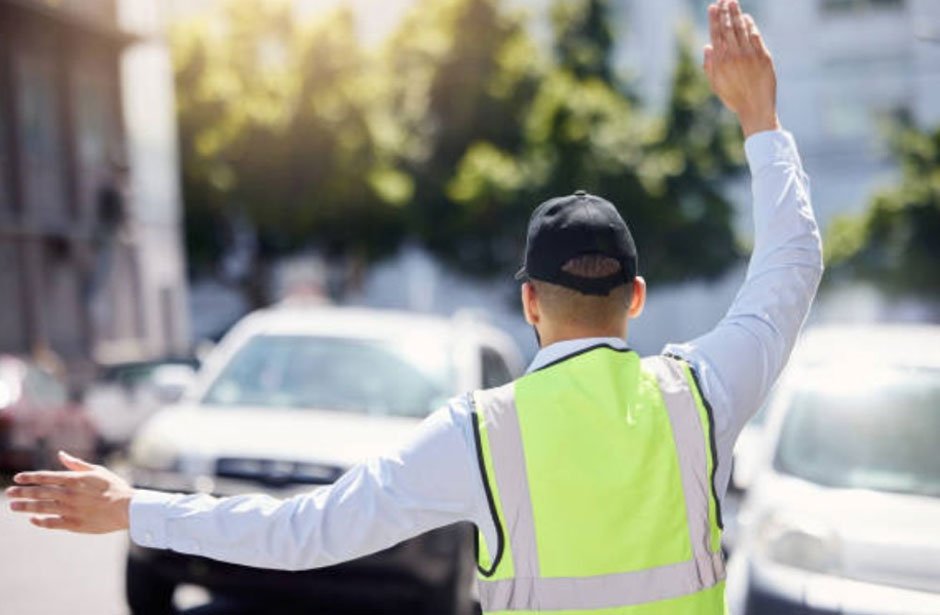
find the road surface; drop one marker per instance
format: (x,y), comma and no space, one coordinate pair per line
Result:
(45,572)
(57,573)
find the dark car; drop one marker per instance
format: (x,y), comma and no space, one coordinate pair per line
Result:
(37,418)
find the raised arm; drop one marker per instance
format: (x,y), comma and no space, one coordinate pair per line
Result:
(739,360)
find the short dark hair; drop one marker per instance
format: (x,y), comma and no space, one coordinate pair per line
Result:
(571,305)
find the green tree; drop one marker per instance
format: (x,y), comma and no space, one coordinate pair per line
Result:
(277,126)
(583,38)
(466,71)
(689,231)
(894,243)
(582,132)
(450,134)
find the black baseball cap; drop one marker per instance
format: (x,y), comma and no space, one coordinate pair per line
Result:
(566,227)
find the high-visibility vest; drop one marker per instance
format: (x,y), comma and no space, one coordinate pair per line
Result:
(599,472)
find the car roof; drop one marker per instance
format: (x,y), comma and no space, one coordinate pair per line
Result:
(360,322)
(882,344)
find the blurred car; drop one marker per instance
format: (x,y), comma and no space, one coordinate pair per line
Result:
(745,462)
(289,400)
(37,418)
(124,395)
(843,515)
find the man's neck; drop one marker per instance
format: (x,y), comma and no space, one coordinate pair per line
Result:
(566,336)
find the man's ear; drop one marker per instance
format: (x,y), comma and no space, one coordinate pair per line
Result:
(638,298)
(530,303)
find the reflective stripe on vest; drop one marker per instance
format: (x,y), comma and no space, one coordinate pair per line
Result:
(517,580)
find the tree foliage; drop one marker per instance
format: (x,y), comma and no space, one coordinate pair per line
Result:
(894,243)
(584,133)
(450,133)
(279,124)
(583,39)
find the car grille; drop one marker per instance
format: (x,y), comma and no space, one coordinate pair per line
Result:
(275,472)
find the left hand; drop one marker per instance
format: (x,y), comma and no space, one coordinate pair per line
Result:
(86,498)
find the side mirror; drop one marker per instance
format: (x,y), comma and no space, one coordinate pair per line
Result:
(170,382)
(203,349)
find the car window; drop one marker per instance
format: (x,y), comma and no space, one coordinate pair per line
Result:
(495,371)
(355,375)
(875,431)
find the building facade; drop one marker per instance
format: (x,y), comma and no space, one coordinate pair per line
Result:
(91,263)
(846,70)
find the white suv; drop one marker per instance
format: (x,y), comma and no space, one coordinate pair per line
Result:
(843,515)
(290,399)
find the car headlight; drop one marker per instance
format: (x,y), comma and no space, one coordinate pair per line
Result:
(153,454)
(799,543)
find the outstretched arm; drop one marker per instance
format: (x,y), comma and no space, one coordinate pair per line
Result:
(430,482)
(738,361)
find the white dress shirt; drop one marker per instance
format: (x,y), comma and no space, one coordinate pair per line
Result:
(434,480)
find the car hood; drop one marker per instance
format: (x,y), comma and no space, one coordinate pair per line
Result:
(208,433)
(885,538)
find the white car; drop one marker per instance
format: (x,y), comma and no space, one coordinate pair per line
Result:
(290,399)
(843,514)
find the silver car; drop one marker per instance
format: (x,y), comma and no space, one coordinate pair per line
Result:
(289,400)
(843,515)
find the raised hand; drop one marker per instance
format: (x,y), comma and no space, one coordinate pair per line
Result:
(740,68)
(86,498)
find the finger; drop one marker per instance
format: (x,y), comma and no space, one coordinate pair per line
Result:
(44,507)
(754,36)
(714,24)
(47,477)
(708,62)
(74,463)
(738,27)
(54,523)
(38,493)
(728,41)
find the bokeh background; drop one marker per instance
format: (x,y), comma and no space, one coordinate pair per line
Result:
(167,166)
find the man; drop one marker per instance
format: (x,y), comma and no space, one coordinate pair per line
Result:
(596,479)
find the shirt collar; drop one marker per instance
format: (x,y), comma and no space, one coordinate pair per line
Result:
(560,350)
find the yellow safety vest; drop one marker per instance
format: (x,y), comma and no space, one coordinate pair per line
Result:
(599,470)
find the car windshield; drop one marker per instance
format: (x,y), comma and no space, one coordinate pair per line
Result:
(876,431)
(355,375)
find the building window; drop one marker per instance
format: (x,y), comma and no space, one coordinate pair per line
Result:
(851,109)
(847,7)
(13,325)
(94,120)
(40,133)
(6,200)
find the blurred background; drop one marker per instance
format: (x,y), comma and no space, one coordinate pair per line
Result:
(169,166)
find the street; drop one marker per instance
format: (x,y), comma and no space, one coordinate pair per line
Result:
(45,572)
(55,573)
(52,573)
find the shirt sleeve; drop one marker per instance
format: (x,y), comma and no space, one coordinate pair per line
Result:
(739,360)
(428,483)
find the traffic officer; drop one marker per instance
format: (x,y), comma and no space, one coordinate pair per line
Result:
(596,479)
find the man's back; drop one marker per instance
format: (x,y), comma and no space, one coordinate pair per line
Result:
(597,467)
